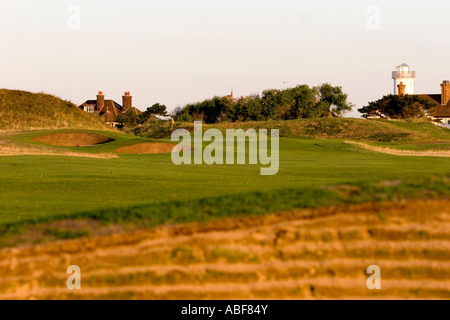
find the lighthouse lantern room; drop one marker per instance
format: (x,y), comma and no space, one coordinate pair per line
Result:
(403,75)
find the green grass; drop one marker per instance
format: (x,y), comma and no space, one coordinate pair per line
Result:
(66,234)
(149,190)
(35,188)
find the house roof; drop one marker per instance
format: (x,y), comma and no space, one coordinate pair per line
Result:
(89,103)
(435,98)
(441,111)
(110,111)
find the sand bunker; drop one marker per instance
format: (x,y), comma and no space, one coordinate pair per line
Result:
(72,139)
(147,148)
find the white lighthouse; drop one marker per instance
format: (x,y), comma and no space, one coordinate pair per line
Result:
(404,74)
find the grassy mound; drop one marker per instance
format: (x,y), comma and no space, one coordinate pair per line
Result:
(72,139)
(21,110)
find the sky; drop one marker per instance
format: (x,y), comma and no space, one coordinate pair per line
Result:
(180,51)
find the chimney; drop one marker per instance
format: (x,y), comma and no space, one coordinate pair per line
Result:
(445,96)
(100,101)
(126,102)
(401,89)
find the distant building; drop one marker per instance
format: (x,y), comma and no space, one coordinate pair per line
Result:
(404,74)
(231,96)
(404,84)
(109,110)
(440,114)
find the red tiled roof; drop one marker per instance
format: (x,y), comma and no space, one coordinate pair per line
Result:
(109,111)
(441,111)
(435,98)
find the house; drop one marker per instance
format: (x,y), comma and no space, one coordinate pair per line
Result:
(109,110)
(440,114)
(404,78)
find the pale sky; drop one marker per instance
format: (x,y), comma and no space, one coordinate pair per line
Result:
(180,51)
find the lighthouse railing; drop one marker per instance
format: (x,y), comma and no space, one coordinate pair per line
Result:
(403,74)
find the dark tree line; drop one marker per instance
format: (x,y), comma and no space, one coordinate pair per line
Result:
(295,103)
(398,107)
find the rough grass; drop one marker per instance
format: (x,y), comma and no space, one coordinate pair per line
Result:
(327,128)
(21,110)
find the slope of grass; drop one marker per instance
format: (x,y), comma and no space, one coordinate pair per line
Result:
(21,110)
(326,128)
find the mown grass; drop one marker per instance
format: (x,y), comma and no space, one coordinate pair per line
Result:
(40,186)
(150,190)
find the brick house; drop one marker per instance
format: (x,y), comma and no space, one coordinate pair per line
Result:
(109,110)
(440,114)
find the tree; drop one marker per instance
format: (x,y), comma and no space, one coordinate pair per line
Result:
(156,110)
(398,107)
(272,100)
(303,103)
(294,103)
(332,100)
(151,112)
(130,118)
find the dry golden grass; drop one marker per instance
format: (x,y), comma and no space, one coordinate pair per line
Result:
(21,110)
(405,153)
(303,254)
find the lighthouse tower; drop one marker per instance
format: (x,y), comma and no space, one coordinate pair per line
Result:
(405,76)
